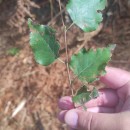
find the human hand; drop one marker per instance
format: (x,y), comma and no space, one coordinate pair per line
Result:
(110,111)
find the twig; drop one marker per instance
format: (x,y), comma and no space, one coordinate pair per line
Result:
(55,17)
(89,36)
(18,108)
(67,64)
(61,14)
(61,60)
(51,6)
(66,50)
(120,61)
(69,26)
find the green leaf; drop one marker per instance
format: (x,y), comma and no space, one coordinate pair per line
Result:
(94,93)
(89,65)
(86,13)
(44,44)
(83,95)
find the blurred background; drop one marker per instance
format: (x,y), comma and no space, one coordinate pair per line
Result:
(34,90)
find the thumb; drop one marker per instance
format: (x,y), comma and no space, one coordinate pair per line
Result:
(84,120)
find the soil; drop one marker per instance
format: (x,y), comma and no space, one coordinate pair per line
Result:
(23,80)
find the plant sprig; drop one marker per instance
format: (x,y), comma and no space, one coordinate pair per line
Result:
(87,65)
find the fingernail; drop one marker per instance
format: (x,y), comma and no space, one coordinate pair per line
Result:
(65,104)
(71,119)
(61,116)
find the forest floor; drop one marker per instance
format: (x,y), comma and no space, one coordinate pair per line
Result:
(22,80)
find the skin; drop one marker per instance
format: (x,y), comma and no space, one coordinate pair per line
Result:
(110,111)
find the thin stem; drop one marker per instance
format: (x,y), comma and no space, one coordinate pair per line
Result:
(55,17)
(61,60)
(67,63)
(51,5)
(61,14)
(70,26)
(66,50)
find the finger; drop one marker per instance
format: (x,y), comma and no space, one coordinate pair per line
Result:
(62,115)
(126,106)
(92,121)
(120,105)
(124,91)
(66,103)
(101,110)
(115,78)
(93,109)
(107,98)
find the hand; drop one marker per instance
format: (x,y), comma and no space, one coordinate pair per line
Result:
(110,111)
